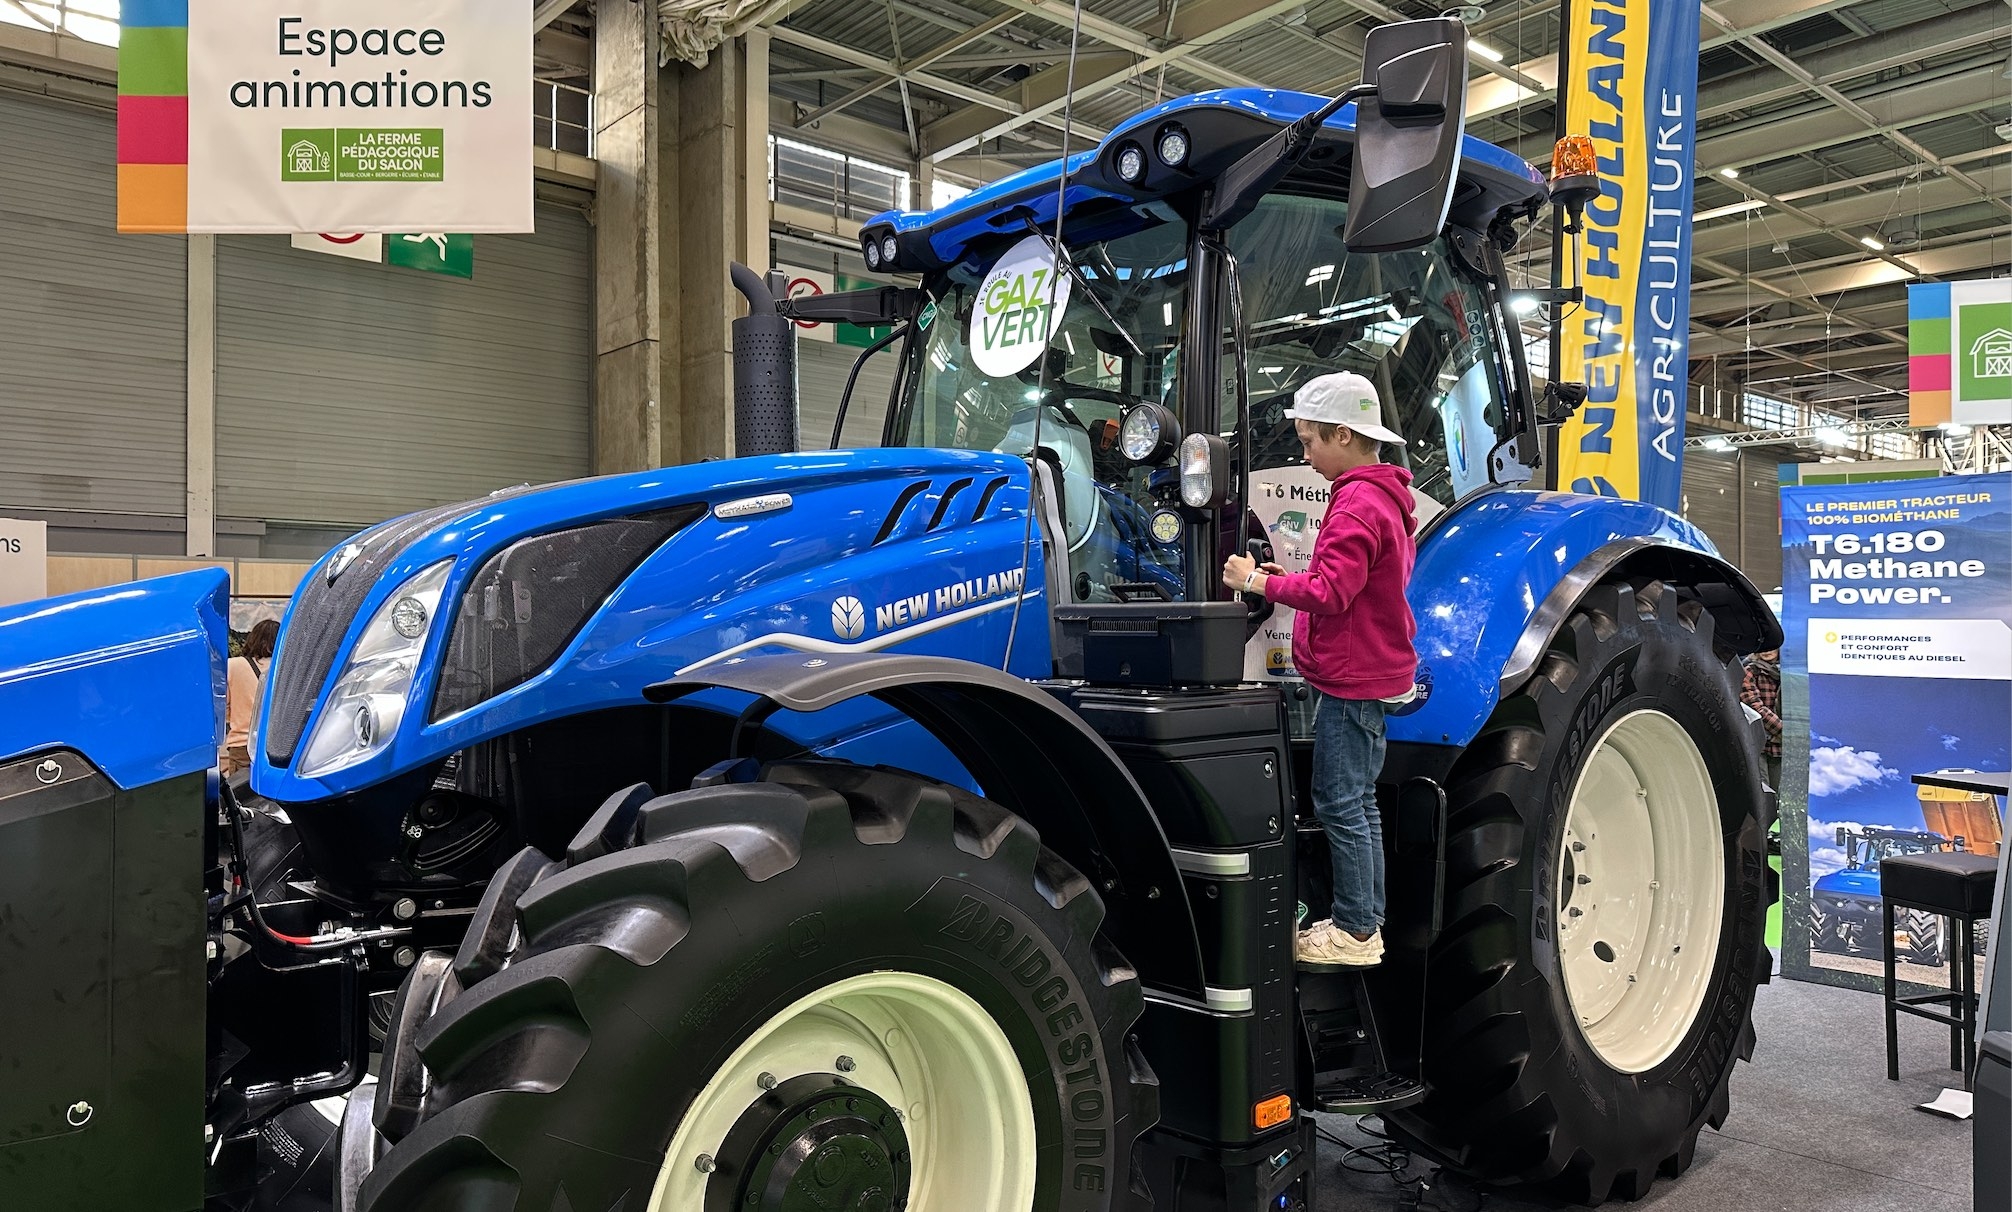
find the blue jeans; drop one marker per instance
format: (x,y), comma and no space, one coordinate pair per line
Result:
(1347,756)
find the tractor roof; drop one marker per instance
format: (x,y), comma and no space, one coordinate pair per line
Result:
(1221,125)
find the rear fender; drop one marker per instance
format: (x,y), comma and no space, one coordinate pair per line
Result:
(1497,578)
(1023,750)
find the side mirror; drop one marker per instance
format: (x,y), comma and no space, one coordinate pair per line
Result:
(1842,833)
(1407,137)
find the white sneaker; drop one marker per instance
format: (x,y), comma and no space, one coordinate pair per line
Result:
(1323,945)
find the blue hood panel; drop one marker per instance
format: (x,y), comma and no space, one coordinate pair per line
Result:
(1853,883)
(913,550)
(132,677)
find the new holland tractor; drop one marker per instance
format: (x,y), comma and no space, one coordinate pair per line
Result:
(921,827)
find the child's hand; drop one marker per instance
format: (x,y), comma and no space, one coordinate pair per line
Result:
(1272,570)
(1236,570)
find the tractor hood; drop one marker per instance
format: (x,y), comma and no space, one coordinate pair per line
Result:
(436,631)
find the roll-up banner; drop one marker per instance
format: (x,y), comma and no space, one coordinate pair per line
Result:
(1630,82)
(294,116)
(1897,608)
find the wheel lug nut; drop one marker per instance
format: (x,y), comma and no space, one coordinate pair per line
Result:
(1585,879)
(1575,911)
(765,1080)
(846,1064)
(705,1163)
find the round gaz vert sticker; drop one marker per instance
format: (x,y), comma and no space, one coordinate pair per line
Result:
(1020,307)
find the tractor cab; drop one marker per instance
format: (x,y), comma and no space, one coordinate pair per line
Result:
(1164,330)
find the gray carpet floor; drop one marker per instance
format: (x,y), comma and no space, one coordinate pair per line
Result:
(1815,1125)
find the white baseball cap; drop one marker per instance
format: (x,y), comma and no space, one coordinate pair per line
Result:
(1342,399)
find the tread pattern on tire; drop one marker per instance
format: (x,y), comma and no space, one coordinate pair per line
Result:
(529,978)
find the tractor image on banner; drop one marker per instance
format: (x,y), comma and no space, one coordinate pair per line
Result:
(923,826)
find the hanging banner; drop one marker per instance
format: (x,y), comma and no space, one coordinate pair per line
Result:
(1959,352)
(1631,84)
(324,115)
(1897,604)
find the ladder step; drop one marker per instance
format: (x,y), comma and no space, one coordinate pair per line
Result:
(1365,1094)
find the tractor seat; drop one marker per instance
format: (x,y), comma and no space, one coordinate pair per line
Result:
(1959,885)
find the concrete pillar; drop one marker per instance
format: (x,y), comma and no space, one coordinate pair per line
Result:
(201,477)
(714,145)
(628,220)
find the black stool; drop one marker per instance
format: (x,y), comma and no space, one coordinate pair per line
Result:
(1959,888)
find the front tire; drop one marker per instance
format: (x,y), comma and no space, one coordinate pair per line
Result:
(1610,815)
(837,983)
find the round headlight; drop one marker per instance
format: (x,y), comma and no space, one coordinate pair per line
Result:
(871,251)
(1131,163)
(1148,433)
(1140,435)
(1173,146)
(890,249)
(408,618)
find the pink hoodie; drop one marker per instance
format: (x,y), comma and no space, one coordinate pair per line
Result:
(1353,636)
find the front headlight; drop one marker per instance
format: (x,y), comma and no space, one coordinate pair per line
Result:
(1205,477)
(362,713)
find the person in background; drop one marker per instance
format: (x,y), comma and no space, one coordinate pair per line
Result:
(242,696)
(1352,643)
(1760,689)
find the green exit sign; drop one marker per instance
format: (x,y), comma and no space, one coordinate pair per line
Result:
(433,252)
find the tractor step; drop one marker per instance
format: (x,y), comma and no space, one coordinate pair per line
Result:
(1365,1094)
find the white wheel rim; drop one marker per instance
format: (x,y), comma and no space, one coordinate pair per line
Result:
(1640,891)
(924,1047)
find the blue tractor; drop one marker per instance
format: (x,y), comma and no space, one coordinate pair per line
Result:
(921,827)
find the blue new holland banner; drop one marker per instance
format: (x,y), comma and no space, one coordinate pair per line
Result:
(1630,82)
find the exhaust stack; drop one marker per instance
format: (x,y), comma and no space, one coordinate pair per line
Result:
(765,419)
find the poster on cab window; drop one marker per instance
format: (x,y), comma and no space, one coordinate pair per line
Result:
(1897,609)
(346,116)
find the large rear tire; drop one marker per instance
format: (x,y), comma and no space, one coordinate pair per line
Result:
(846,986)
(1608,889)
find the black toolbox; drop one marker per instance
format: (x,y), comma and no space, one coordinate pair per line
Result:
(1152,643)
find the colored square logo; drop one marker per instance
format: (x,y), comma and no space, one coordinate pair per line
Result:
(307,154)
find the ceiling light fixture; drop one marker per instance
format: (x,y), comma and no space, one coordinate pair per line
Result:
(1485,51)
(1873,243)
(1730,173)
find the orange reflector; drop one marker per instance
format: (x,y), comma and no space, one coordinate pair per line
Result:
(1272,1112)
(1574,157)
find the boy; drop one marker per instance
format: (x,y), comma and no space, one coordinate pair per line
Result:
(1352,644)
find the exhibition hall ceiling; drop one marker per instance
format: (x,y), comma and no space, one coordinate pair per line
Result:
(1845,148)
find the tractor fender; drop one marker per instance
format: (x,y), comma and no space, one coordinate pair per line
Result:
(1501,573)
(1744,622)
(1025,751)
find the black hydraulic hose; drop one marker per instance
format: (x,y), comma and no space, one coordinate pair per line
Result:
(851,380)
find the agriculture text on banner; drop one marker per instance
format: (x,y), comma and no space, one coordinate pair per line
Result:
(1897,608)
(291,116)
(1631,84)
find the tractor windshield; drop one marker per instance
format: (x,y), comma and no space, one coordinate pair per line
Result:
(1119,342)
(1413,323)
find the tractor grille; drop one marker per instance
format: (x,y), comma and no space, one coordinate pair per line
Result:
(322,615)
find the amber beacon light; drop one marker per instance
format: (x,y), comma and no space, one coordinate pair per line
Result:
(1575,177)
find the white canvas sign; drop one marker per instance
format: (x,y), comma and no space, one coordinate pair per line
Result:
(1020,308)
(359,116)
(24,561)
(358,247)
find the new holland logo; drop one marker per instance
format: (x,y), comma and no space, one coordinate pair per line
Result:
(848,618)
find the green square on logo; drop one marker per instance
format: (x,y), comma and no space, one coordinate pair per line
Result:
(307,155)
(1984,351)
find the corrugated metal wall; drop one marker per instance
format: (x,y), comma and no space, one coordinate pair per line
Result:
(93,326)
(1735,498)
(349,392)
